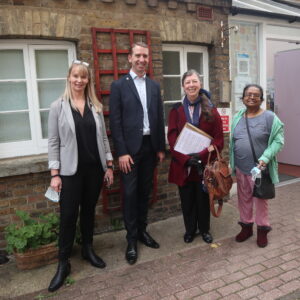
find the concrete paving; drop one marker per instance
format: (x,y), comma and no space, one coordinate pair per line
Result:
(222,270)
(111,247)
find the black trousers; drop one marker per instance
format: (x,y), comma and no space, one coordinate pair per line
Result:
(136,189)
(80,190)
(195,207)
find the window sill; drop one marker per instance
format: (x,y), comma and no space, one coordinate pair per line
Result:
(23,165)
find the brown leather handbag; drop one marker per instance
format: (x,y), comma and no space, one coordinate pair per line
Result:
(218,181)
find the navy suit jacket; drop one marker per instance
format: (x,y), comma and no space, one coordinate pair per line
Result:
(126,116)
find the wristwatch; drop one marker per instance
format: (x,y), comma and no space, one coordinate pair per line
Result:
(111,167)
(55,175)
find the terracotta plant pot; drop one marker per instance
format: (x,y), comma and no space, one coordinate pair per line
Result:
(35,258)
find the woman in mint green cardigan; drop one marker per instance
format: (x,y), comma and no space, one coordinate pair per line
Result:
(268,139)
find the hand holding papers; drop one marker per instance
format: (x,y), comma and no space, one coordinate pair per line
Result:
(192,140)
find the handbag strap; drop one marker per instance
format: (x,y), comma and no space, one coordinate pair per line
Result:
(250,139)
(218,154)
(211,196)
(212,206)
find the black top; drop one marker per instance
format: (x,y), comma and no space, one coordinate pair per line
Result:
(85,127)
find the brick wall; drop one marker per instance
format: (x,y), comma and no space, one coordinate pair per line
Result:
(26,192)
(168,21)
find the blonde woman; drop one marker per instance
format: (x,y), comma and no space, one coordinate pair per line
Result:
(79,160)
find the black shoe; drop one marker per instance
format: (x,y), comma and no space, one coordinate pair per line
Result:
(63,271)
(188,238)
(131,253)
(147,240)
(88,254)
(207,238)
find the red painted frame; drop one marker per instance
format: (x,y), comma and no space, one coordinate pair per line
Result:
(116,72)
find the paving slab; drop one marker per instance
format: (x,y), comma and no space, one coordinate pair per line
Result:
(223,270)
(111,247)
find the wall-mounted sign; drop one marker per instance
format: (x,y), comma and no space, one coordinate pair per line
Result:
(243,64)
(225,114)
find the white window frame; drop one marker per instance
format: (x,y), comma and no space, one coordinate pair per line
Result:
(37,145)
(183,50)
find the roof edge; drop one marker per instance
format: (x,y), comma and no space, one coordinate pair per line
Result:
(288,3)
(234,10)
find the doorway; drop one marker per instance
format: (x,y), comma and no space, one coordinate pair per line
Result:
(283,65)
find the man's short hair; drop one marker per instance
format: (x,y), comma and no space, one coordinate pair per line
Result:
(141,44)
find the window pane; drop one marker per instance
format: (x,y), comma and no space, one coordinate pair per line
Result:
(172,88)
(44,121)
(195,61)
(14,127)
(13,96)
(171,63)
(50,91)
(51,63)
(12,64)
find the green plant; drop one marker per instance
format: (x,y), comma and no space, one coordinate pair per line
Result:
(32,233)
(116,224)
(69,281)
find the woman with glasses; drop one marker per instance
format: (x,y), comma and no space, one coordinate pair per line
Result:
(79,160)
(266,131)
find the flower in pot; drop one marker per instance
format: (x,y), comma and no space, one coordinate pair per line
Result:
(34,241)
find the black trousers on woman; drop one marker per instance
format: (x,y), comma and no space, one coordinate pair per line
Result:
(80,190)
(195,208)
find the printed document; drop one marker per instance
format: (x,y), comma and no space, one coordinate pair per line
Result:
(192,140)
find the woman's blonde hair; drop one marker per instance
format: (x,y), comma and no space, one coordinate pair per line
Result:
(89,91)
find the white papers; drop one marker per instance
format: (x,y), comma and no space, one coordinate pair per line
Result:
(192,140)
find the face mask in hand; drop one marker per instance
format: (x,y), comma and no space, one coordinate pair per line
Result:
(256,173)
(52,195)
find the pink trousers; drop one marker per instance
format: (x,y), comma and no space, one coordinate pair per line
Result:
(246,201)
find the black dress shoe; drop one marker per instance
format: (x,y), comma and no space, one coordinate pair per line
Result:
(188,238)
(88,254)
(147,240)
(131,253)
(207,238)
(63,271)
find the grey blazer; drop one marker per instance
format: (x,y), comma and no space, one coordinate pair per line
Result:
(62,143)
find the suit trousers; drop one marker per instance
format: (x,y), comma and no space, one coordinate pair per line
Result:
(195,207)
(78,191)
(136,187)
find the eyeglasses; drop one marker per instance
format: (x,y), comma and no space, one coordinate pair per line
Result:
(250,95)
(80,62)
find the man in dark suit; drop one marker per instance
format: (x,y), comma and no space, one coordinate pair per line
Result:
(137,127)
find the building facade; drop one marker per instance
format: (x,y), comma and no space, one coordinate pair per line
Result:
(266,32)
(38,41)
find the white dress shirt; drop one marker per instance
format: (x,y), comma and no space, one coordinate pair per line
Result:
(140,84)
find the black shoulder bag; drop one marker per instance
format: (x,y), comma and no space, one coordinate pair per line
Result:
(263,187)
